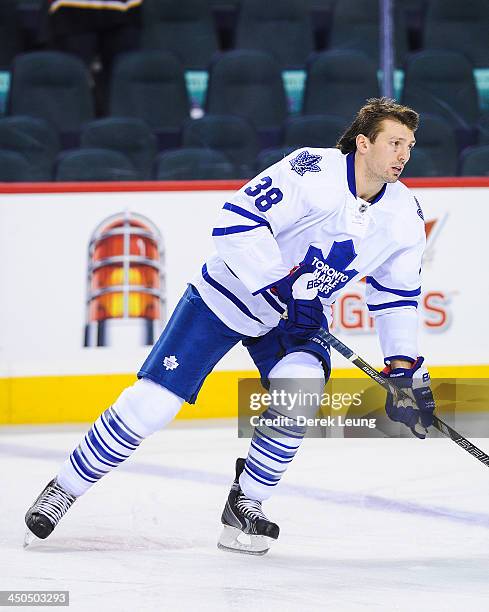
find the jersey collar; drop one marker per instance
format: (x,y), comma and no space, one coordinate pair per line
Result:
(350,176)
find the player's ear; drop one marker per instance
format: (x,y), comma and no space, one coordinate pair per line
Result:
(362,143)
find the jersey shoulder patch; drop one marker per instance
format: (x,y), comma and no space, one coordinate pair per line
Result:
(305,162)
(418,208)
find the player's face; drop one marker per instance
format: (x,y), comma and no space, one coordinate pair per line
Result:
(387,156)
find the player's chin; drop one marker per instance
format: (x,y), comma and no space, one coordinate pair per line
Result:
(393,175)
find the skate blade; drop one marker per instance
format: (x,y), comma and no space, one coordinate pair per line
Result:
(230,542)
(29,538)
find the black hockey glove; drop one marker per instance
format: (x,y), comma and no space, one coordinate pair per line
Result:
(416,413)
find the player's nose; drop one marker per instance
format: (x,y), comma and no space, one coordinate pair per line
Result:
(403,156)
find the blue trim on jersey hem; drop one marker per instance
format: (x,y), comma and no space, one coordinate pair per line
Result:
(405,357)
(398,304)
(226,293)
(402,292)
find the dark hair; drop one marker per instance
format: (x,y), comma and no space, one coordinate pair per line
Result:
(368,121)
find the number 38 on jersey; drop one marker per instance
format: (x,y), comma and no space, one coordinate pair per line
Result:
(264,194)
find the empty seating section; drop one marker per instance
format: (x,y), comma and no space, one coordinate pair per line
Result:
(356,27)
(442,83)
(234,136)
(248,84)
(193,164)
(282,29)
(53,86)
(14,167)
(150,85)
(129,136)
(339,83)
(183,27)
(33,139)
(95,165)
(314,131)
(475,161)
(268,157)
(435,141)
(461,26)
(10,35)
(267,78)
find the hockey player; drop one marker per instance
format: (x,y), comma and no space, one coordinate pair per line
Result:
(332,216)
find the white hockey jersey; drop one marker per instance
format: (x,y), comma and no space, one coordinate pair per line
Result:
(305,209)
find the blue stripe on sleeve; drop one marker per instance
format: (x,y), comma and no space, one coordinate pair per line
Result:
(272,302)
(392,305)
(234,229)
(246,213)
(402,292)
(226,293)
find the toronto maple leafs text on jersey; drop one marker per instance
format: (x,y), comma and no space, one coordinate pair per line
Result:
(305,209)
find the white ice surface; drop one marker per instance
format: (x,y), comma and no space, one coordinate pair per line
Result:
(394,525)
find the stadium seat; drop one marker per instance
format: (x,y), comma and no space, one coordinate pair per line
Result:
(475,161)
(189,164)
(249,84)
(233,136)
(356,27)
(129,136)
(95,165)
(313,131)
(150,85)
(442,83)
(184,28)
(338,83)
(268,157)
(282,29)
(10,34)
(53,86)
(14,167)
(436,137)
(484,129)
(459,26)
(35,140)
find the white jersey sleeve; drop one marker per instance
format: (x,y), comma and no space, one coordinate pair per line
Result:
(248,224)
(392,295)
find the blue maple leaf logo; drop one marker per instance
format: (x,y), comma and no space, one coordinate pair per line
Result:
(331,271)
(305,162)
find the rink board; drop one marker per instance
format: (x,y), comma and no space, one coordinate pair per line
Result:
(47,374)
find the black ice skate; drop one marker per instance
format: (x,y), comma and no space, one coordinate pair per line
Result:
(47,510)
(242,515)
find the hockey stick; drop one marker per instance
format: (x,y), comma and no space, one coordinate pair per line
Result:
(391,388)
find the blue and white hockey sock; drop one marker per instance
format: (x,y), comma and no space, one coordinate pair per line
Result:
(139,411)
(273,448)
